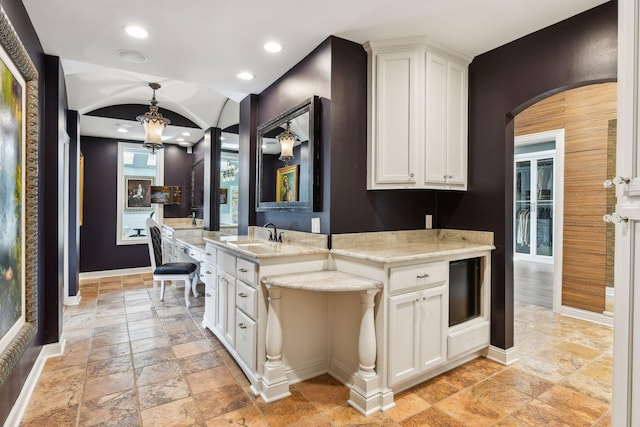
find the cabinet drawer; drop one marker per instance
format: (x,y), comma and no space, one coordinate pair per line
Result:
(246,298)
(227,262)
(246,339)
(246,271)
(468,340)
(209,253)
(194,253)
(418,276)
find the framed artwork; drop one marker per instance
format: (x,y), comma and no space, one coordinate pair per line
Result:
(18,199)
(137,192)
(287,184)
(166,194)
(223,196)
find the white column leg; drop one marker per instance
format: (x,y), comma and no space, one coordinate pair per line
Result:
(365,395)
(275,384)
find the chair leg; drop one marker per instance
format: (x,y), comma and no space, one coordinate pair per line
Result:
(194,285)
(162,290)
(187,291)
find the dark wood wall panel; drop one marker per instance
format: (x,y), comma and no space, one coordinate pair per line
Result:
(584,113)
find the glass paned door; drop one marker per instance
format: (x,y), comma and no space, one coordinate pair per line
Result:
(544,208)
(534,206)
(523,207)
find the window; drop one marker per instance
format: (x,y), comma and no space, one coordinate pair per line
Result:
(138,170)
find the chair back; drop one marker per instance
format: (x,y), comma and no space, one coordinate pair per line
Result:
(155,243)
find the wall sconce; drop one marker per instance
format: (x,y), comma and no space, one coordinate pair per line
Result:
(153,123)
(287,139)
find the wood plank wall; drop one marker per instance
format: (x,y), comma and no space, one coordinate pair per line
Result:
(584,113)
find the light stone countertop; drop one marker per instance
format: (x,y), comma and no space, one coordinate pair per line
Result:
(183,223)
(250,247)
(413,245)
(322,281)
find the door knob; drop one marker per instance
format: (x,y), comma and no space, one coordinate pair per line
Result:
(615,181)
(615,218)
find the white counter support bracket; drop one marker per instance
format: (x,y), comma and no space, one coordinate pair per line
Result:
(366,395)
(274,380)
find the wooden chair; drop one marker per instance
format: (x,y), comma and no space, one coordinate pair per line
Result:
(174,271)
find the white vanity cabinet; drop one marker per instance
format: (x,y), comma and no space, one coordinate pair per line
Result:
(418,320)
(226,313)
(170,237)
(208,276)
(417,116)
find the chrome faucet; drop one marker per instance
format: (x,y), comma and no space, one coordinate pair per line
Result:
(273,236)
(193,219)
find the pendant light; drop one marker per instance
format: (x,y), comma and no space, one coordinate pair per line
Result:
(153,123)
(287,139)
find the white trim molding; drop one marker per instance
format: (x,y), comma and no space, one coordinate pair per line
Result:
(585,315)
(505,357)
(20,406)
(111,273)
(72,300)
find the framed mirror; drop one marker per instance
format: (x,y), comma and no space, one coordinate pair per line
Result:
(197,186)
(286,183)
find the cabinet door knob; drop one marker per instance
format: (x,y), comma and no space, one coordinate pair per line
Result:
(242,295)
(615,181)
(615,218)
(411,175)
(242,326)
(422,276)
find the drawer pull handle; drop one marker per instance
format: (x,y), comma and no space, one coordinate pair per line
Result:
(243,270)
(242,295)
(208,295)
(422,276)
(242,326)
(207,254)
(208,272)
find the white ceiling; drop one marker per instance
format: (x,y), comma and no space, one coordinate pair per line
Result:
(195,48)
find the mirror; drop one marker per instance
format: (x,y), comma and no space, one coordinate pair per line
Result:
(290,185)
(229,196)
(197,185)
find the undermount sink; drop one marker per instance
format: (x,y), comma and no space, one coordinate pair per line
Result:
(249,243)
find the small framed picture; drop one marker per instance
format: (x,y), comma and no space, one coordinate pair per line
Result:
(138,192)
(223,196)
(287,184)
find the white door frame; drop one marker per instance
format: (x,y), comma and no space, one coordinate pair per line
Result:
(625,410)
(556,135)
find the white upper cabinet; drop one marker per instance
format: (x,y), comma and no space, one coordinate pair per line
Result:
(417,116)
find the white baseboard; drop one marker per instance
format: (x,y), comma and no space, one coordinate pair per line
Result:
(589,316)
(505,357)
(72,300)
(19,408)
(111,273)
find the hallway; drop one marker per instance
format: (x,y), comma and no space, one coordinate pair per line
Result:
(134,360)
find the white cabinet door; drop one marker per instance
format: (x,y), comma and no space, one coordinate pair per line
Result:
(395,131)
(434,322)
(445,153)
(225,313)
(208,276)
(435,121)
(404,337)
(457,108)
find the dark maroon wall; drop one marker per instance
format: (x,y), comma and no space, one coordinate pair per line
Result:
(9,392)
(502,83)
(346,205)
(177,171)
(311,76)
(98,249)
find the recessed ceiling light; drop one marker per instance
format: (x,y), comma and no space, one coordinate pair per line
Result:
(222,138)
(135,31)
(180,139)
(272,47)
(122,130)
(132,55)
(245,76)
(186,133)
(185,144)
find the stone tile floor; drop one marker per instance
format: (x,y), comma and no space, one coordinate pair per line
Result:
(133,360)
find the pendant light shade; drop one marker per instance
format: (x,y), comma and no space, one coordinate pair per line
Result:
(153,123)
(287,139)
